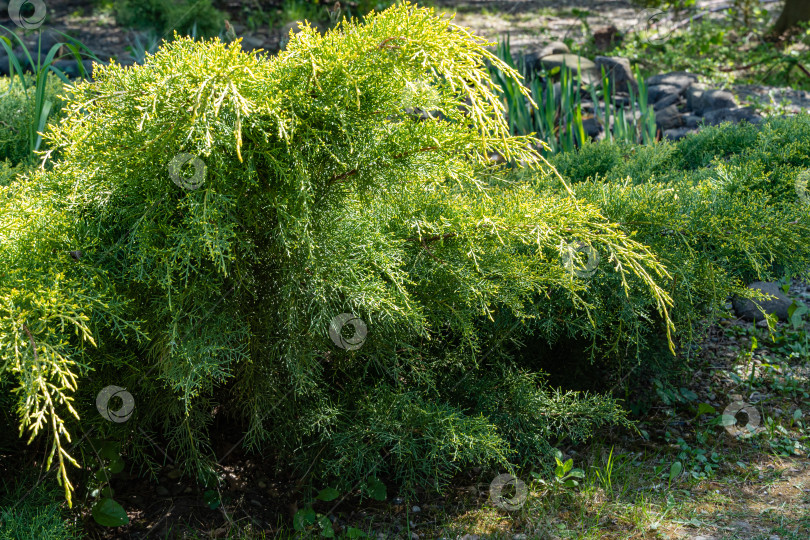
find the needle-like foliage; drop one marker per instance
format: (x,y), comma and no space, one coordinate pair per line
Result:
(348,174)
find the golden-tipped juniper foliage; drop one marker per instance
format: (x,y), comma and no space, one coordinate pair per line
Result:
(348,174)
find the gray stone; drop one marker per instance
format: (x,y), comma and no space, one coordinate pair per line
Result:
(534,53)
(711,100)
(691,121)
(680,79)
(733,115)
(618,71)
(740,525)
(574,63)
(606,37)
(252,43)
(666,101)
(593,128)
(661,91)
(747,310)
(677,134)
(668,118)
(693,96)
(416,509)
(30,64)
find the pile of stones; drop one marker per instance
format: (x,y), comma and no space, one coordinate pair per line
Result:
(681,104)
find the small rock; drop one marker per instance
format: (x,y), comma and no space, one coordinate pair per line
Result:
(747,310)
(593,128)
(4,64)
(618,71)
(679,79)
(519,536)
(606,37)
(691,121)
(577,64)
(693,95)
(701,537)
(256,503)
(666,101)
(416,509)
(173,474)
(668,118)
(414,536)
(658,92)
(251,43)
(162,491)
(711,100)
(677,134)
(740,525)
(262,484)
(187,490)
(734,115)
(51,38)
(533,54)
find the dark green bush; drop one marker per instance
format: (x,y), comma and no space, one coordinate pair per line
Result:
(719,208)
(186,17)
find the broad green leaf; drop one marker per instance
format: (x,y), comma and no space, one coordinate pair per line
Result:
(675,470)
(211,498)
(115,466)
(376,489)
(328,494)
(304,518)
(705,408)
(109,513)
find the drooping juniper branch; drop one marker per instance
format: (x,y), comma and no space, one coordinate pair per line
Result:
(33,344)
(352,172)
(433,238)
(384,42)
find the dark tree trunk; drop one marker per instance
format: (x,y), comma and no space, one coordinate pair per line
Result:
(794,12)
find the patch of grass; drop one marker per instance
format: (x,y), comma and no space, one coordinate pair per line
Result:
(34,510)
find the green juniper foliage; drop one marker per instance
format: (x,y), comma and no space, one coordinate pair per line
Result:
(317,189)
(720,208)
